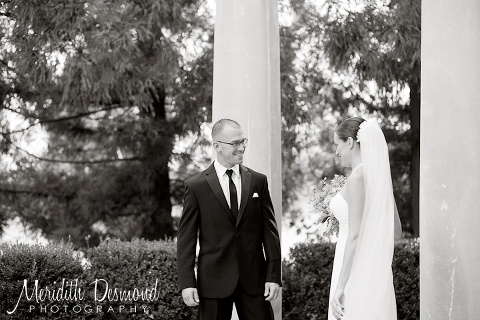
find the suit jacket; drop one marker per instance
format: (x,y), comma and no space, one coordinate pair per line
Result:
(229,250)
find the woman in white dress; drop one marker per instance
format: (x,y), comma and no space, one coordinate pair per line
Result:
(362,281)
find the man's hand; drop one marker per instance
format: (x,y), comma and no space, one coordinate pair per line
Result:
(271,291)
(190,297)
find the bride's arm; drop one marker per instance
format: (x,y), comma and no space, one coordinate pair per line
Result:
(356,202)
(397,224)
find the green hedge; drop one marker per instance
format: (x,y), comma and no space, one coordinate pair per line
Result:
(123,266)
(143,264)
(47,264)
(306,280)
(406,278)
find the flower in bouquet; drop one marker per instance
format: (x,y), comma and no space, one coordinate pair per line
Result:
(321,203)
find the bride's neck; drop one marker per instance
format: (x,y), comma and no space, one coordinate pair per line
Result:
(356,160)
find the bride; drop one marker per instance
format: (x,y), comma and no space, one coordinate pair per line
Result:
(362,281)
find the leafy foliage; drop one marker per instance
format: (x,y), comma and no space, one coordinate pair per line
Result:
(137,264)
(114,84)
(357,59)
(306,281)
(122,266)
(120,90)
(379,44)
(406,278)
(47,264)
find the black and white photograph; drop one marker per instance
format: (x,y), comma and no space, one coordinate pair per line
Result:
(239,159)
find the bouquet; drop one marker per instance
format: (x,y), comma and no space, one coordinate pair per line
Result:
(321,200)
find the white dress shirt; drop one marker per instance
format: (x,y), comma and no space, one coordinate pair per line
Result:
(224,181)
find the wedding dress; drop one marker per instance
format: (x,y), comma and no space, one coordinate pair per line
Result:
(339,207)
(369,292)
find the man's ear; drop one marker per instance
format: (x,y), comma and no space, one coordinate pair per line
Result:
(216,145)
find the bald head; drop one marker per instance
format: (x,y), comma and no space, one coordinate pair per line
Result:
(220,125)
(229,142)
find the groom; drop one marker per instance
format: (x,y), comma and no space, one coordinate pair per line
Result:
(228,210)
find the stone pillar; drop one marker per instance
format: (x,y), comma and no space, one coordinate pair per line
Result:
(246,85)
(450,160)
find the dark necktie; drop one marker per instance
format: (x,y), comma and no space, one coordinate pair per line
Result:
(233,195)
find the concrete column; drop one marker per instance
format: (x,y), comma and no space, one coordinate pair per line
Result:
(450,160)
(246,85)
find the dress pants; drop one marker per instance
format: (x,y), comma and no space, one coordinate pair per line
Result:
(248,307)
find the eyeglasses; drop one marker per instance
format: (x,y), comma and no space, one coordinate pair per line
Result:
(236,144)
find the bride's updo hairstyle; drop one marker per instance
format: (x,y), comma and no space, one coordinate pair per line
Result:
(349,128)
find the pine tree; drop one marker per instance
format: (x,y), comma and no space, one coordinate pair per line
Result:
(114,84)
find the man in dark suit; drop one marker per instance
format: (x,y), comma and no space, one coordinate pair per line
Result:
(228,209)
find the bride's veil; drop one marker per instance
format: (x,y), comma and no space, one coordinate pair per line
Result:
(369,292)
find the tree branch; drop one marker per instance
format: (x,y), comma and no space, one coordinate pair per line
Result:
(77,161)
(14,191)
(8,67)
(80,115)
(76,116)
(26,115)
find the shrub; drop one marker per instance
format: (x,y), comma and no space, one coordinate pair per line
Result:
(406,278)
(306,280)
(47,264)
(123,266)
(136,264)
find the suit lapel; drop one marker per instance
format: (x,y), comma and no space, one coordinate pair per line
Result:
(212,179)
(246,177)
